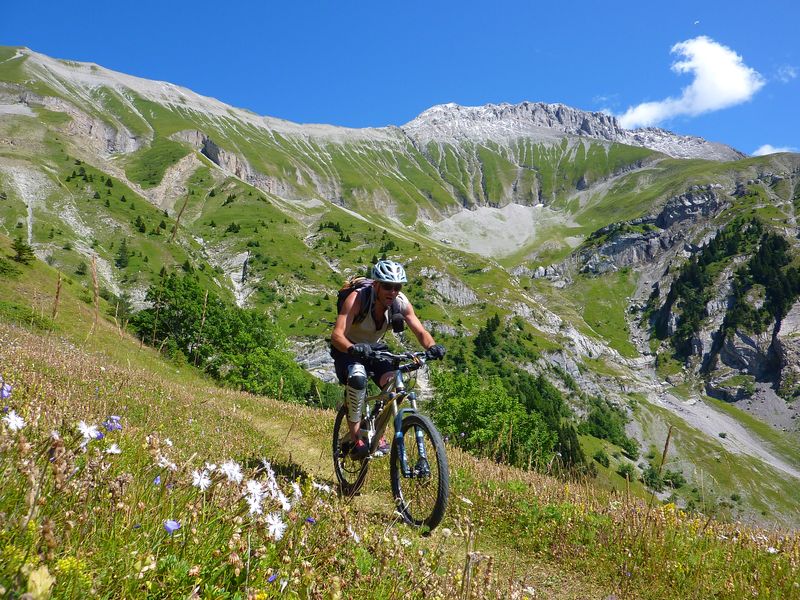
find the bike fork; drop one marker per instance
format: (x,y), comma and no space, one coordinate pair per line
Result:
(421,468)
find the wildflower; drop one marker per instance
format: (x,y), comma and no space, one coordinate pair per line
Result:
(157,480)
(297,494)
(168,442)
(446,532)
(253,488)
(171,526)
(467,501)
(5,390)
(275,525)
(211,467)
(54,435)
(200,479)
(311,520)
(232,471)
(405,542)
(321,487)
(113,449)
(254,505)
(772,550)
(14,421)
(353,534)
(112,423)
(272,577)
(165,463)
(89,432)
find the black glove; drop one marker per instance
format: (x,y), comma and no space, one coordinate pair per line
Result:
(360,350)
(435,352)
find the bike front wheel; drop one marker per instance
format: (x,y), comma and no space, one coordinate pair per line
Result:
(419,473)
(350,472)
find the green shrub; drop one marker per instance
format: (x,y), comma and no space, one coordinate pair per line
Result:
(601,457)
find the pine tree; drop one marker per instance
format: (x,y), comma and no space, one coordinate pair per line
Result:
(23,253)
(122,255)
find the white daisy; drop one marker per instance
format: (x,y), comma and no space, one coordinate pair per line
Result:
(275,525)
(14,421)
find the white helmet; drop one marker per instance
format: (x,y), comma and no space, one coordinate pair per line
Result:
(389,271)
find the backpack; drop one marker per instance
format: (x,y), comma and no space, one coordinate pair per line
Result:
(363,287)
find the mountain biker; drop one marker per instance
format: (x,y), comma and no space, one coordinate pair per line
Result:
(354,342)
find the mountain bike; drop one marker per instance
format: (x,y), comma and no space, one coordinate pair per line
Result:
(418,468)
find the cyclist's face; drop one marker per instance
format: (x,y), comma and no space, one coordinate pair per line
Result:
(387,292)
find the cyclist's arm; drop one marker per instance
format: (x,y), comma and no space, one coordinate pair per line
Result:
(418,329)
(344,320)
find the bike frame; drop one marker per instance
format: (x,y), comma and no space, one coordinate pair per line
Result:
(395,392)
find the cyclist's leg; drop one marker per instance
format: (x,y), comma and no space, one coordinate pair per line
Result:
(355,392)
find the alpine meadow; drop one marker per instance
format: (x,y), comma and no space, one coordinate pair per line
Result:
(620,309)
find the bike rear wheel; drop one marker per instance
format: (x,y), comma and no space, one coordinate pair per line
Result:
(350,472)
(422,491)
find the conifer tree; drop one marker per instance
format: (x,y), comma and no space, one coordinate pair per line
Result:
(23,253)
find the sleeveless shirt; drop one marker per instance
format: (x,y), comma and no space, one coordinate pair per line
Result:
(366,331)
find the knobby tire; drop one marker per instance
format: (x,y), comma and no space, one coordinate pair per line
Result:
(421,501)
(350,473)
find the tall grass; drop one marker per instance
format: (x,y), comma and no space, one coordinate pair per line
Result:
(78,519)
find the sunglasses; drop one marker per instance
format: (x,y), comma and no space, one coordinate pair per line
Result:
(395,287)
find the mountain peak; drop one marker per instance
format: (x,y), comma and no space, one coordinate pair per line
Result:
(453,123)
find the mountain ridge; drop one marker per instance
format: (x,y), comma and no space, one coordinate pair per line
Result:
(439,123)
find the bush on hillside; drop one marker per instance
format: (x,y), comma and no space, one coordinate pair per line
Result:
(480,416)
(241,348)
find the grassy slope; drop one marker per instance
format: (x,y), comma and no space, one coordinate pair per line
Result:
(564,540)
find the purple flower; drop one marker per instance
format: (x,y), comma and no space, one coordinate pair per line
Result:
(5,390)
(100,435)
(272,577)
(171,526)
(157,480)
(311,520)
(112,423)
(137,526)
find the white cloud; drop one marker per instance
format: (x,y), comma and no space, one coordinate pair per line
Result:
(721,79)
(786,73)
(770,149)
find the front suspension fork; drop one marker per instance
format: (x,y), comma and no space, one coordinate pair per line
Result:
(421,468)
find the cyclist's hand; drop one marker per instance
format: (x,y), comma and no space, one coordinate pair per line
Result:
(361,350)
(435,352)
(379,347)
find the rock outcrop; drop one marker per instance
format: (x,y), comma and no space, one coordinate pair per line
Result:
(453,123)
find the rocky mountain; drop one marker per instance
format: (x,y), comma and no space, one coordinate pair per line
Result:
(590,241)
(451,123)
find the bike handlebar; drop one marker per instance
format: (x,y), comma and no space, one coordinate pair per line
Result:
(417,359)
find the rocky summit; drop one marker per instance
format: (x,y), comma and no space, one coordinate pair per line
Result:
(536,120)
(596,257)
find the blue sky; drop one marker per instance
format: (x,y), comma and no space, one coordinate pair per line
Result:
(363,64)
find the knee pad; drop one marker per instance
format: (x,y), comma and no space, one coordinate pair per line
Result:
(356,391)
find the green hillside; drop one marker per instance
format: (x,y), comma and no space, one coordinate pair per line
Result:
(124,516)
